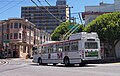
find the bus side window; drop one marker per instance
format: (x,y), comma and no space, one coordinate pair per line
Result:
(43,49)
(54,48)
(67,47)
(49,49)
(60,49)
(46,49)
(74,46)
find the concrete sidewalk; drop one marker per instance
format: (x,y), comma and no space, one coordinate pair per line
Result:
(104,61)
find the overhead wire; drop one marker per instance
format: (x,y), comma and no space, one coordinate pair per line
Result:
(45,9)
(70,31)
(35,3)
(15,1)
(49,12)
(47,2)
(6,4)
(12,6)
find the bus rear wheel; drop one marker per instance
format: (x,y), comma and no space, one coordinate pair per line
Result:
(40,61)
(54,64)
(66,61)
(82,64)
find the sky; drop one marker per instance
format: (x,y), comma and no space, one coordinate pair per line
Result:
(12,8)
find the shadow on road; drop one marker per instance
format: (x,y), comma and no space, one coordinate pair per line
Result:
(62,65)
(34,64)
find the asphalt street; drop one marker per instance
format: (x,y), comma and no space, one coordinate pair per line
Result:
(21,67)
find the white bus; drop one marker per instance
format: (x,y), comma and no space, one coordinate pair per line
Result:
(79,48)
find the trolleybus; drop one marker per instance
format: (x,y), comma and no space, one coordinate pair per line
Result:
(79,48)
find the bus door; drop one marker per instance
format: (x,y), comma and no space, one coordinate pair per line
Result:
(53,54)
(44,52)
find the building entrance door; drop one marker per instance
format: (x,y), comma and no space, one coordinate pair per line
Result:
(15,54)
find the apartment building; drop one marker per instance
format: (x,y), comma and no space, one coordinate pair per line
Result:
(46,18)
(18,36)
(91,12)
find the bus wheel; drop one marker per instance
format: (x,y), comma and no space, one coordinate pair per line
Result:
(54,64)
(40,61)
(82,64)
(66,61)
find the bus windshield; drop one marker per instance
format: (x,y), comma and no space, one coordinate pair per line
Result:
(91,45)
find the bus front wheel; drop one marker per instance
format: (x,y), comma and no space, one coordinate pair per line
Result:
(66,61)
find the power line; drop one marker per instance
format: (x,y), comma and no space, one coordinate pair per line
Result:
(35,3)
(12,6)
(47,2)
(80,18)
(6,1)
(6,4)
(45,9)
(49,12)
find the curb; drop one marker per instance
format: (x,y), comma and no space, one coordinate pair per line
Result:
(15,59)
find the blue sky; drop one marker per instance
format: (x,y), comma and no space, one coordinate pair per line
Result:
(12,8)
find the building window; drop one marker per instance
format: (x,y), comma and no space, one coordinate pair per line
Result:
(15,25)
(24,50)
(7,36)
(19,25)
(25,27)
(44,37)
(11,25)
(15,35)
(19,35)
(11,35)
(40,37)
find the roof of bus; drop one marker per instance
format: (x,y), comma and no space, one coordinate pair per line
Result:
(56,42)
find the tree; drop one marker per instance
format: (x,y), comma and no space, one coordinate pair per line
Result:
(108,28)
(63,28)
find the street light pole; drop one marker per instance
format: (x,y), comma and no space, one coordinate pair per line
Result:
(69,12)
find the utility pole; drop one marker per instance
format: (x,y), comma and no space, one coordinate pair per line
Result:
(79,14)
(69,8)
(80,18)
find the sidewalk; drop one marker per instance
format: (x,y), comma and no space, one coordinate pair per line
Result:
(17,59)
(104,61)
(110,61)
